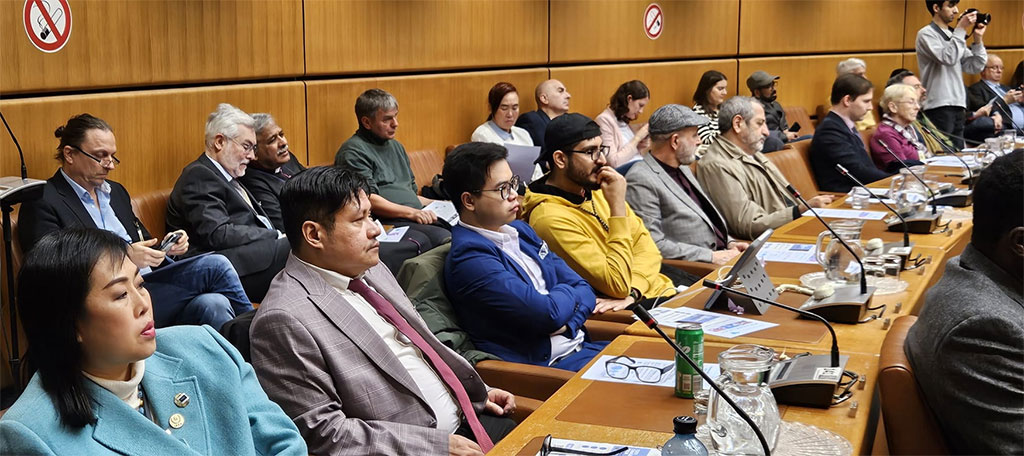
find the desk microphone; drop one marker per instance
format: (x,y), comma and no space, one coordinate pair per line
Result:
(805,380)
(650,322)
(919,224)
(837,306)
(952,151)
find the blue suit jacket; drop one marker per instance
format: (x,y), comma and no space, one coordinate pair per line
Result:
(228,412)
(535,123)
(834,143)
(497,304)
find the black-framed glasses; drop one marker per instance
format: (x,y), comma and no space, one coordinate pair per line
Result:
(105,161)
(505,189)
(248,148)
(548,448)
(594,152)
(617,369)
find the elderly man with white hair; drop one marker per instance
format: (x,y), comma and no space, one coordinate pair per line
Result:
(217,211)
(858,67)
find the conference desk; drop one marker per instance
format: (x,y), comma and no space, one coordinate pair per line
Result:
(641,415)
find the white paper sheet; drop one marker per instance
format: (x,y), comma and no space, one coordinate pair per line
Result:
(714,324)
(394,235)
(784,252)
(949,161)
(594,447)
(445,210)
(847,214)
(597,371)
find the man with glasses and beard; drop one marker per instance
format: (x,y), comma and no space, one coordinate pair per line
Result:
(747,189)
(579,208)
(764,87)
(515,298)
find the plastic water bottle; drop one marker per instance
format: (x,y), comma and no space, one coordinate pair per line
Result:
(685,441)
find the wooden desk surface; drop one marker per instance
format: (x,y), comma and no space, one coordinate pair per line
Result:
(620,413)
(864,338)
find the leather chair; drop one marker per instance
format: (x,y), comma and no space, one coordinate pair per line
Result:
(797,114)
(795,163)
(151,209)
(910,426)
(866,136)
(17,256)
(425,165)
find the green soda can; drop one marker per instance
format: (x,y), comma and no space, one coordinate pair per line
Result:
(690,338)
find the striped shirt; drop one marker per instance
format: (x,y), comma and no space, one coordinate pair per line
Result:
(707,131)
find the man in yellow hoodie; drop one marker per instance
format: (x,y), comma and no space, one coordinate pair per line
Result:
(579,208)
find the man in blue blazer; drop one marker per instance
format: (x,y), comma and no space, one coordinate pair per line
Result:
(836,140)
(515,297)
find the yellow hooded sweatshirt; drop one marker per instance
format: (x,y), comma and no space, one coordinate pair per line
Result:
(614,260)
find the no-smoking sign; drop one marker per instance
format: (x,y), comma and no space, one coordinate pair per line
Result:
(654,21)
(48,24)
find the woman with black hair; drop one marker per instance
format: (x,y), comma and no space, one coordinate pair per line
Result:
(712,90)
(625,106)
(102,384)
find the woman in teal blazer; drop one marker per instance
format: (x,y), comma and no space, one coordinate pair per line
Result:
(108,382)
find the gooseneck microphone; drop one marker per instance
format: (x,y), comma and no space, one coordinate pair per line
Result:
(811,315)
(863,276)
(21,155)
(952,151)
(648,320)
(906,231)
(912,173)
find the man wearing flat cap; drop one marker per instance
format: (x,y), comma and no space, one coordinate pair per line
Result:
(661,189)
(579,208)
(764,87)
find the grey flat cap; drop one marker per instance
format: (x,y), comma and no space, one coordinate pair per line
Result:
(672,117)
(759,79)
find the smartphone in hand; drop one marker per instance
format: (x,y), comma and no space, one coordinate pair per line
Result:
(169,241)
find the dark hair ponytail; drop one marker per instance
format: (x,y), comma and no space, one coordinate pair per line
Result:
(73,133)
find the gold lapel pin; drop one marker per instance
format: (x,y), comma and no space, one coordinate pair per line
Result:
(176,421)
(181,400)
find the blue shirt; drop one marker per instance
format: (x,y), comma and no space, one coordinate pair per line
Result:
(1016,110)
(507,136)
(102,214)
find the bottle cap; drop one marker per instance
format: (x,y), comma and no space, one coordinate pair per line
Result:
(684,425)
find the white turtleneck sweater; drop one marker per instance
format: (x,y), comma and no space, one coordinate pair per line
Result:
(126,390)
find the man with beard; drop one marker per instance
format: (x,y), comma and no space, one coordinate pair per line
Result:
(748,189)
(663,191)
(579,208)
(763,86)
(274,165)
(836,140)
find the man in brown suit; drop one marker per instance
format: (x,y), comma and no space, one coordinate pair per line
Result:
(337,344)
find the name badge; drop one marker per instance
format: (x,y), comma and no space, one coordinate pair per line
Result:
(543,250)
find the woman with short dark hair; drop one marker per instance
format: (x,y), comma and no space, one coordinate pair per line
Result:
(712,90)
(102,384)
(625,106)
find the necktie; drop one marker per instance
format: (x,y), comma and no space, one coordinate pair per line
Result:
(241,191)
(388,311)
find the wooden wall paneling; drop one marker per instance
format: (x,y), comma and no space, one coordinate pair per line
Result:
(807,81)
(1006,29)
(435,110)
(602,31)
(809,27)
(139,42)
(669,82)
(1010,59)
(158,132)
(361,36)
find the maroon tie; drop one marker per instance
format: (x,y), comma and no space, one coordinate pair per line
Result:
(387,310)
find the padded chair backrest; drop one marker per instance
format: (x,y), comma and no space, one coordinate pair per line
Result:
(422,278)
(17,256)
(151,209)
(866,137)
(797,114)
(910,426)
(425,165)
(795,164)
(820,112)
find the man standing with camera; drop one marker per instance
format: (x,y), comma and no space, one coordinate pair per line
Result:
(943,56)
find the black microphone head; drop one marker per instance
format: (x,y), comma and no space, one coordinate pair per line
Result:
(792,190)
(645,316)
(710,284)
(841,169)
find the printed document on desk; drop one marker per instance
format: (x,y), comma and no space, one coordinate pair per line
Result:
(714,324)
(784,252)
(847,214)
(445,210)
(598,448)
(599,373)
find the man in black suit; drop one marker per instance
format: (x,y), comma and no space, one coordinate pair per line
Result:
(836,139)
(203,290)
(1006,102)
(209,202)
(552,101)
(275,164)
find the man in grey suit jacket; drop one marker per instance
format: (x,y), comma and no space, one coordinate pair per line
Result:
(661,189)
(967,347)
(339,346)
